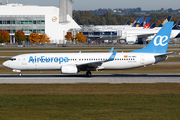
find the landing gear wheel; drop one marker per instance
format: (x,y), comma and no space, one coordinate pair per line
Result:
(88,74)
(20,74)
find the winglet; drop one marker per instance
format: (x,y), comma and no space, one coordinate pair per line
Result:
(113,56)
(111,50)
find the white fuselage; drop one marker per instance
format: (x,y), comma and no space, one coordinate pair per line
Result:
(55,61)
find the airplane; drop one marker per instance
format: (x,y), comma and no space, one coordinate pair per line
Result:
(105,27)
(72,63)
(133,26)
(132,35)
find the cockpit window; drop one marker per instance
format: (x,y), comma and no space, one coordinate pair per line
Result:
(12,59)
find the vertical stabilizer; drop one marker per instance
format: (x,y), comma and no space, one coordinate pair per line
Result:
(165,21)
(159,43)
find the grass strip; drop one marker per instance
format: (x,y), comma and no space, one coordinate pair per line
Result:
(90,101)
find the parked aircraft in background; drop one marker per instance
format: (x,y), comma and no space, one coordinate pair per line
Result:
(72,63)
(136,23)
(134,34)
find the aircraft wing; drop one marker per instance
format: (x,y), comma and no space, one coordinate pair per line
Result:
(145,35)
(97,63)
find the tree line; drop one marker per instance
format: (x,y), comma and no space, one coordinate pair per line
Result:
(89,18)
(20,37)
(78,38)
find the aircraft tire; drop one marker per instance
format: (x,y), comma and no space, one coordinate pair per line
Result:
(20,74)
(88,74)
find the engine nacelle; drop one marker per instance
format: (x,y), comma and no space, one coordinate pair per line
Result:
(69,69)
(131,39)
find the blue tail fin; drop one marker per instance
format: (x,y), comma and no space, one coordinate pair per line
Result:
(138,22)
(146,21)
(141,20)
(132,23)
(127,23)
(160,42)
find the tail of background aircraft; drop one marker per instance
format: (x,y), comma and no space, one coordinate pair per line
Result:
(127,23)
(165,21)
(152,26)
(135,21)
(177,26)
(160,42)
(146,26)
(145,22)
(138,22)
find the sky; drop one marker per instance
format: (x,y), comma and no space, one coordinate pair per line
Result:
(96,4)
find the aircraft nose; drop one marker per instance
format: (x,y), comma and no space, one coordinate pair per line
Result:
(5,64)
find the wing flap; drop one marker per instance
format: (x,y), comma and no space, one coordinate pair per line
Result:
(96,64)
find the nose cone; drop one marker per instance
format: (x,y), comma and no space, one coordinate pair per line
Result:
(5,64)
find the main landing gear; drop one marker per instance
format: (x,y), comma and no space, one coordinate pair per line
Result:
(88,74)
(20,74)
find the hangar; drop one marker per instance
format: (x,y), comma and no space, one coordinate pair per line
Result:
(53,21)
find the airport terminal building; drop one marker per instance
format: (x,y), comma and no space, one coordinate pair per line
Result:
(53,21)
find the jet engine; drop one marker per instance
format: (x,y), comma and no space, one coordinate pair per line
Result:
(69,69)
(131,39)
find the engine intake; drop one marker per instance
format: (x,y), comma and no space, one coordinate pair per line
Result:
(69,69)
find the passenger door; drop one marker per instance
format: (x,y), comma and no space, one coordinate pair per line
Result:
(24,60)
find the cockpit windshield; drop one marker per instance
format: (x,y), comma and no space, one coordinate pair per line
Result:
(12,59)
